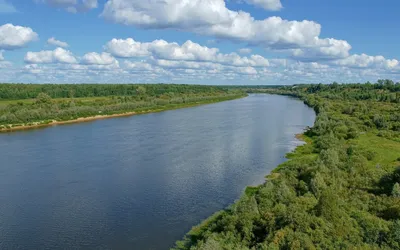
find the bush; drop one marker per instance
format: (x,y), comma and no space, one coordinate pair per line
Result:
(370,155)
(380,121)
(43,98)
(396,190)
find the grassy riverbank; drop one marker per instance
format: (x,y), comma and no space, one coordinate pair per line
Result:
(144,110)
(338,191)
(45,110)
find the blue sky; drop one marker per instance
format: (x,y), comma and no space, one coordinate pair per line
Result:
(199,41)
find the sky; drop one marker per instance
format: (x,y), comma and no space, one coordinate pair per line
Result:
(247,42)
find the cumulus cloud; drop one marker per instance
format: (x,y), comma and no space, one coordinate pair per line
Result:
(284,71)
(138,66)
(327,49)
(189,51)
(71,5)
(190,62)
(212,17)
(186,64)
(15,37)
(58,55)
(366,61)
(127,48)
(57,43)
(98,59)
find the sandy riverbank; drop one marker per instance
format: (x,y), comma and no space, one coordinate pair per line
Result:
(53,123)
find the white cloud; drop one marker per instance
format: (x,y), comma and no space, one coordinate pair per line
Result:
(190,62)
(327,49)
(212,17)
(127,48)
(58,55)
(138,66)
(244,51)
(33,69)
(14,37)
(285,71)
(57,43)
(247,70)
(148,68)
(6,7)
(186,64)
(189,51)
(72,6)
(98,59)
(366,61)
(5,64)
(266,4)
(96,67)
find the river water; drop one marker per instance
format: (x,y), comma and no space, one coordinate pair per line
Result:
(139,182)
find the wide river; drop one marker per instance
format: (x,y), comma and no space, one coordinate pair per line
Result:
(139,182)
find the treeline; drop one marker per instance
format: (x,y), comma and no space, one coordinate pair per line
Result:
(383,90)
(99,100)
(339,191)
(30,91)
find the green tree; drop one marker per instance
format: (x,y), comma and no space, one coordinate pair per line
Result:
(396,190)
(394,235)
(317,184)
(43,98)
(141,90)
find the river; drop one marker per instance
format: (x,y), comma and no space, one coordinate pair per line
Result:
(139,182)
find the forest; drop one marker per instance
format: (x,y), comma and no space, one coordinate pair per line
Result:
(24,105)
(340,190)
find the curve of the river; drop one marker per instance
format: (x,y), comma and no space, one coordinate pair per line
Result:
(139,182)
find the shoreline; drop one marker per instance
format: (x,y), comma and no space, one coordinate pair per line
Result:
(250,189)
(42,124)
(55,122)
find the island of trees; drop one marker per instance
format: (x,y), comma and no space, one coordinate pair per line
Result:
(338,191)
(31,105)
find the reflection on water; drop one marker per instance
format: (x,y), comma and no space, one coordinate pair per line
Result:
(143,181)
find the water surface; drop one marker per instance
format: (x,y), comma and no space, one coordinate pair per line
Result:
(139,182)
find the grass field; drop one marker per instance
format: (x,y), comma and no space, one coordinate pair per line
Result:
(385,152)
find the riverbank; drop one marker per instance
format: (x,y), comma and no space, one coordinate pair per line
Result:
(48,123)
(339,190)
(195,235)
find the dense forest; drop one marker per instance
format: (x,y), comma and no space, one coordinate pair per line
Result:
(30,91)
(341,190)
(35,104)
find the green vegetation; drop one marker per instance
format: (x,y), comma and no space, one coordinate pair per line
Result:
(339,191)
(36,104)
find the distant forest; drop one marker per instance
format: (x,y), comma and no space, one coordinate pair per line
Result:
(29,91)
